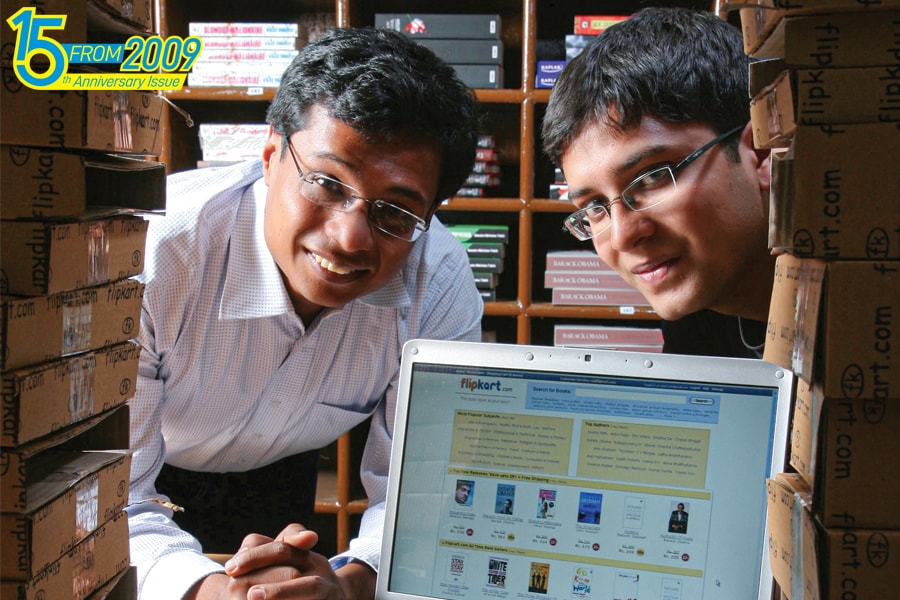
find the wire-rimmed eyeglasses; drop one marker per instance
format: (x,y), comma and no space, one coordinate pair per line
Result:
(332,194)
(646,191)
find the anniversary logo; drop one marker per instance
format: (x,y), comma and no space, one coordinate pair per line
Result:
(151,63)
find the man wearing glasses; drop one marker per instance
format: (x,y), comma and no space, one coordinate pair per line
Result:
(279,294)
(650,126)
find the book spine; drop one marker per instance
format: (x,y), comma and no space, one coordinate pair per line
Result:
(598,297)
(564,335)
(248,43)
(242,29)
(585,280)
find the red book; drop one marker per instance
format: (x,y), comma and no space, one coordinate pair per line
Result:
(586,280)
(598,297)
(575,260)
(599,335)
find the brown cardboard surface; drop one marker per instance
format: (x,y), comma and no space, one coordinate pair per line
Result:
(830,195)
(857,476)
(78,492)
(795,300)
(82,570)
(858,563)
(837,326)
(799,7)
(22,466)
(812,562)
(39,182)
(44,257)
(45,398)
(823,96)
(121,587)
(791,538)
(41,328)
(757,23)
(862,38)
(111,121)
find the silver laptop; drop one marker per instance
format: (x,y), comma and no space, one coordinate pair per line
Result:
(542,472)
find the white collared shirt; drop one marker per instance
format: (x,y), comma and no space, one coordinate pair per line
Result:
(231,379)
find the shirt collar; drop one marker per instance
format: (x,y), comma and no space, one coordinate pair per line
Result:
(253,287)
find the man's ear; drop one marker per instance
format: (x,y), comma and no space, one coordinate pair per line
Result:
(762,158)
(271,153)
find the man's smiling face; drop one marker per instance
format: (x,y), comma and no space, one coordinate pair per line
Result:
(705,246)
(328,258)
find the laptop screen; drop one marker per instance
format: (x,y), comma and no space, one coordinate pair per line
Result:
(529,472)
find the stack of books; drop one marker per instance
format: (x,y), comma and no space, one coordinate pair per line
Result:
(242,54)
(581,277)
(470,43)
(486,246)
(825,105)
(487,174)
(228,143)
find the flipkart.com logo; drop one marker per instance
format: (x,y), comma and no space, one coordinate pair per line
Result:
(479,384)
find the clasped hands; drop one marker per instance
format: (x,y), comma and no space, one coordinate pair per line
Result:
(285,567)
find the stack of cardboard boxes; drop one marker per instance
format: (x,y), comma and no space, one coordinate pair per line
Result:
(75,175)
(826,101)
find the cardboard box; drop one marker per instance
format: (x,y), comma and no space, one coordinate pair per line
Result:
(111,121)
(83,20)
(792,538)
(43,399)
(121,587)
(831,323)
(42,328)
(828,201)
(857,563)
(38,182)
(450,25)
(138,12)
(476,52)
(44,257)
(856,480)
(74,494)
(23,465)
(757,23)
(823,96)
(812,562)
(840,39)
(81,571)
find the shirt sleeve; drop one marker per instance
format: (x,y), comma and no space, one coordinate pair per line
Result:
(169,561)
(451,309)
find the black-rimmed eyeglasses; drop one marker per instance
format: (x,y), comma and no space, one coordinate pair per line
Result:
(332,194)
(646,191)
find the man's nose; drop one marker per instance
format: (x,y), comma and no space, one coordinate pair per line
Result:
(351,227)
(626,226)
